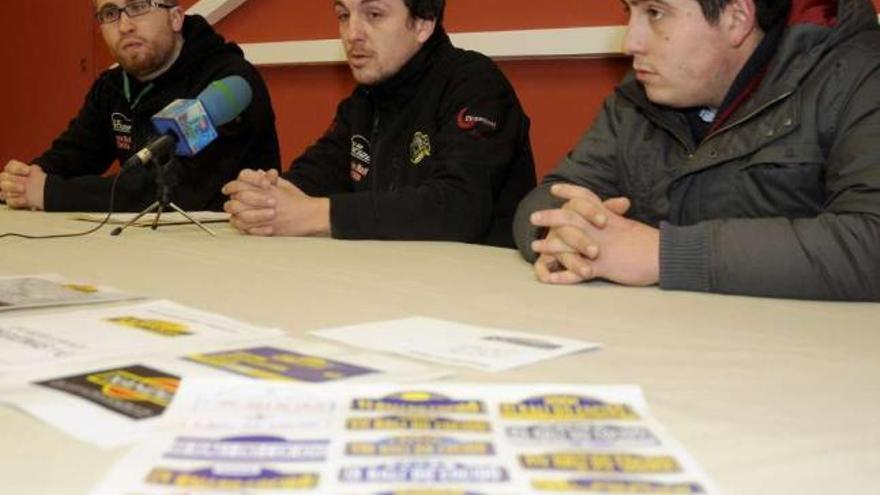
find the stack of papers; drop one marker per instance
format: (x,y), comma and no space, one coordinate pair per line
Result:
(106,375)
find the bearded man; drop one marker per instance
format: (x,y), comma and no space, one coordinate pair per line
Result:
(162,55)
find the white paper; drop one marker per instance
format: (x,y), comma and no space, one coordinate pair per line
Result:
(167,218)
(47,290)
(118,401)
(481,348)
(223,437)
(40,341)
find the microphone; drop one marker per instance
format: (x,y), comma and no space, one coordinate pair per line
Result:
(189,126)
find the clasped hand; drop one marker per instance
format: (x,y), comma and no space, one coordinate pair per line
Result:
(589,238)
(21,185)
(262,203)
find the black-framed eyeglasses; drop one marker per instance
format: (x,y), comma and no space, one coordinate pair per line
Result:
(111,13)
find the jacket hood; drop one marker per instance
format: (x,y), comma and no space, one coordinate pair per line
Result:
(848,16)
(200,43)
(814,28)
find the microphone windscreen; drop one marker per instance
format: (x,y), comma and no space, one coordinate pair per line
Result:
(225,99)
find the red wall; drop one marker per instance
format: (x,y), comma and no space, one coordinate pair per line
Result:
(47,70)
(273,20)
(51,60)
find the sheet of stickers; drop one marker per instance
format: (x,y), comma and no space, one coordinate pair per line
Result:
(427,439)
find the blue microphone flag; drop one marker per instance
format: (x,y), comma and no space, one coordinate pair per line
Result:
(194,122)
(189,122)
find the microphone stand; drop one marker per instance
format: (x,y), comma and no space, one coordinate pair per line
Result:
(162,165)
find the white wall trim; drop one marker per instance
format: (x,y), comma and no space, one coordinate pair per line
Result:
(530,43)
(214,10)
(601,41)
(294,52)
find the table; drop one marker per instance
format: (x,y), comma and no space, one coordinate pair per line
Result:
(770,396)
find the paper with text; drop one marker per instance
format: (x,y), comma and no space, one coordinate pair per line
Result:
(38,341)
(457,344)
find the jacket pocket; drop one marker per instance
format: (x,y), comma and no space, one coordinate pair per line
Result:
(784,156)
(784,180)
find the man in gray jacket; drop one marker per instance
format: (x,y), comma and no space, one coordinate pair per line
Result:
(741,156)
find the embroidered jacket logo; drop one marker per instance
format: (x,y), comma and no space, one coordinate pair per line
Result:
(467,122)
(420,148)
(360,149)
(121,124)
(360,157)
(122,129)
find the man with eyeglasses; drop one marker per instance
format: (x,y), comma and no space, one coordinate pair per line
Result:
(162,55)
(432,144)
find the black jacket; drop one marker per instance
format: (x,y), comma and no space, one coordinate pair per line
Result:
(110,127)
(440,151)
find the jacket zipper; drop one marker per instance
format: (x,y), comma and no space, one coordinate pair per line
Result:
(374,151)
(673,131)
(750,115)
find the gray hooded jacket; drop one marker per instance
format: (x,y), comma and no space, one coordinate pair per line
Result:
(783,200)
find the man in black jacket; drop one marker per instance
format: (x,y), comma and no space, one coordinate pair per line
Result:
(432,145)
(163,55)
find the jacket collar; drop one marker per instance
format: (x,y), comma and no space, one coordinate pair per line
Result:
(403,85)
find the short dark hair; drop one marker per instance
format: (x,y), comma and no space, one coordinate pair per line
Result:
(427,9)
(769,12)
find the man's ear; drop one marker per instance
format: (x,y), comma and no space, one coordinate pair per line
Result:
(739,20)
(177,16)
(425,28)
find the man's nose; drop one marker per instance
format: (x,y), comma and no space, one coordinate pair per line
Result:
(125,24)
(633,41)
(355,28)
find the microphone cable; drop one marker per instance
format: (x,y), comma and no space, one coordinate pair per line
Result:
(79,234)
